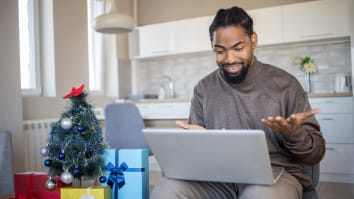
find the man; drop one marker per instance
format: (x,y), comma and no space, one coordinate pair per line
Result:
(244,93)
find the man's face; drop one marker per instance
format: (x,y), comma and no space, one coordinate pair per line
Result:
(234,52)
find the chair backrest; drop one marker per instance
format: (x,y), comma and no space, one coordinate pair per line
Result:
(6,167)
(314,172)
(123,126)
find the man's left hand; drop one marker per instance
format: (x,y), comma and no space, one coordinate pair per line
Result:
(290,124)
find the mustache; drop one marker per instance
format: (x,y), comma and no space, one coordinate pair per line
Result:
(231,64)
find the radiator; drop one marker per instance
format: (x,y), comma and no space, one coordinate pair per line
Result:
(36,134)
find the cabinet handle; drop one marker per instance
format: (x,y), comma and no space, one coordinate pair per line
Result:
(160,51)
(327,119)
(316,35)
(330,149)
(323,102)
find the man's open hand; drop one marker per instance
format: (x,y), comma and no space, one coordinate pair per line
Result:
(290,124)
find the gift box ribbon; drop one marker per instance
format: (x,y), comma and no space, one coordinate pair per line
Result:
(116,177)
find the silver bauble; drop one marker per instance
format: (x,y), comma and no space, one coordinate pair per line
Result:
(66,123)
(44,151)
(50,184)
(66,177)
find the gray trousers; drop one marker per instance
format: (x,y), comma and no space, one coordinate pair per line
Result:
(287,187)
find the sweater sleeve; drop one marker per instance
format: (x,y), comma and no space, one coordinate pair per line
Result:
(196,110)
(306,143)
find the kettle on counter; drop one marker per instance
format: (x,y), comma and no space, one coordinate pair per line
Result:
(343,82)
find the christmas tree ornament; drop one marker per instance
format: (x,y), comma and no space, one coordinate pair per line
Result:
(66,123)
(66,177)
(61,156)
(103,179)
(76,171)
(50,184)
(44,151)
(47,162)
(80,128)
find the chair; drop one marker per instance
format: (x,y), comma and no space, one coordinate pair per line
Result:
(314,172)
(123,126)
(6,167)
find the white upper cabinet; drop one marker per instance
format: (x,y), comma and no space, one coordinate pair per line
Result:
(267,23)
(160,39)
(316,20)
(198,34)
(311,20)
(182,36)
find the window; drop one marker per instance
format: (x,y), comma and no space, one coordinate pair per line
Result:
(29,46)
(94,47)
(103,59)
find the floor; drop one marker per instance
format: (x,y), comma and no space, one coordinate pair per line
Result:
(326,190)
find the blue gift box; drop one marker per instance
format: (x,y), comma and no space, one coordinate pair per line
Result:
(127,172)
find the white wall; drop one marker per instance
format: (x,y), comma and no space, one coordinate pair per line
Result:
(10,93)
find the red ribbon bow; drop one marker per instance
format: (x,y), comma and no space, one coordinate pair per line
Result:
(75,91)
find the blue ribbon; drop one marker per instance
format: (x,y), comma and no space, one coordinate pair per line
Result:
(116,177)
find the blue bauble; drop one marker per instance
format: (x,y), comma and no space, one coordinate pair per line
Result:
(47,162)
(103,179)
(76,171)
(61,156)
(80,128)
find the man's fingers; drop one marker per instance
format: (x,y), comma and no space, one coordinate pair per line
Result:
(306,115)
(185,125)
(281,121)
(182,124)
(312,112)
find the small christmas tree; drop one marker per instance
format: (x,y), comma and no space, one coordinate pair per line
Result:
(75,144)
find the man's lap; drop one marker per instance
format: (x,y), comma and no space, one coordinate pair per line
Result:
(286,187)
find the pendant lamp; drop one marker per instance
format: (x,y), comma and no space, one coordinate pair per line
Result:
(113,22)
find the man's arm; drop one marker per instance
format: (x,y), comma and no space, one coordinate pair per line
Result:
(301,138)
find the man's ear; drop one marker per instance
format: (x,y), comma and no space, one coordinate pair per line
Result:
(254,40)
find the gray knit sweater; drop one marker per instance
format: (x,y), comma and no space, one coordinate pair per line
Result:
(266,91)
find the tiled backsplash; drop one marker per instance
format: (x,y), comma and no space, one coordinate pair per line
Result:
(186,70)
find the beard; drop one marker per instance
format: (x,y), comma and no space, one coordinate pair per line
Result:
(232,78)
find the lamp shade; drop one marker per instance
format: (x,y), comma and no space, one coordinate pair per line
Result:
(113,23)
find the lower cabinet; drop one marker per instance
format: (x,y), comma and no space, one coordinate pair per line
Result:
(336,122)
(339,158)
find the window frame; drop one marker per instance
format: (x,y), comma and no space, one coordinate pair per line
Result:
(96,70)
(34,48)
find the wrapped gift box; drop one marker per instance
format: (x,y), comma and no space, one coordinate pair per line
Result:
(31,185)
(85,193)
(127,173)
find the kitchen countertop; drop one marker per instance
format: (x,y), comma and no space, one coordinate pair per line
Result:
(156,101)
(187,100)
(317,95)
(178,108)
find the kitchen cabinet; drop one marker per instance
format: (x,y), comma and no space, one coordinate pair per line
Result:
(336,122)
(316,20)
(161,39)
(298,22)
(163,110)
(182,36)
(268,24)
(198,38)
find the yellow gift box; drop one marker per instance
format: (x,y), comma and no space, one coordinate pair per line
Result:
(85,193)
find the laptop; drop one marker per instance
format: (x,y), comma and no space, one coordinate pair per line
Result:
(235,156)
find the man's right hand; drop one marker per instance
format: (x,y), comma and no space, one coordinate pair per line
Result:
(185,125)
